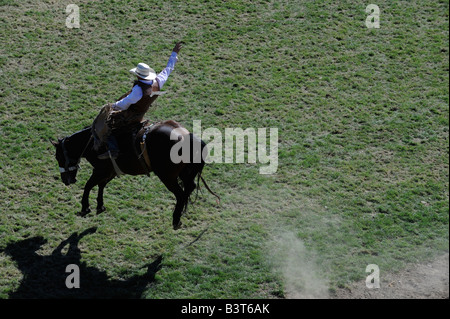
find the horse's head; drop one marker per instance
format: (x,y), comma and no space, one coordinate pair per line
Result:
(68,167)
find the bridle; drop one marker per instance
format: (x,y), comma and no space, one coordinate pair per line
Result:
(68,167)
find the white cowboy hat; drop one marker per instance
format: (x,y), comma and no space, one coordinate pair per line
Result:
(144,71)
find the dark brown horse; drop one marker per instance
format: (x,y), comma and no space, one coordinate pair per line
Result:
(158,142)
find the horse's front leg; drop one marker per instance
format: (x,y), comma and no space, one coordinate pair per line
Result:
(101,186)
(93,181)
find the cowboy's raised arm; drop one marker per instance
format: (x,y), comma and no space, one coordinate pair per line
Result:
(164,75)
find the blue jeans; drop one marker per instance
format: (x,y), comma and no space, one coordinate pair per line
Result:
(112,144)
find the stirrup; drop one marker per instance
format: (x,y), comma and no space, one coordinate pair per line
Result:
(108,155)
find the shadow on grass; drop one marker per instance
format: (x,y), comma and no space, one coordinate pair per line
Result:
(45,276)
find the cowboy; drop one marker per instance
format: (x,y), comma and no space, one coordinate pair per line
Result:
(131,107)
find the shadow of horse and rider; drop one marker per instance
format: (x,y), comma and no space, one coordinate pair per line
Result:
(45,277)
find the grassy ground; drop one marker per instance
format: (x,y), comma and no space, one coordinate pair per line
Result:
(363,126)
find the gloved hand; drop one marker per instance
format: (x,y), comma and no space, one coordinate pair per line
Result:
(177,47)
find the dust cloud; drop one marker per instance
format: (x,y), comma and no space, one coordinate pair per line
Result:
(298,268)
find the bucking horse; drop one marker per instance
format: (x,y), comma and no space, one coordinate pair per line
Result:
(144,150)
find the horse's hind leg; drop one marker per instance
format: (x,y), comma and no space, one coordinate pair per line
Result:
(173,186)
(188,177)
(188,184)
(192,169)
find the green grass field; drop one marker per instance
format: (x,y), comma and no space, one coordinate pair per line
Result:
(362,116)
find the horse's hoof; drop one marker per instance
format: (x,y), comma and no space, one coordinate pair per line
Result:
(178,226)
(84,212)
(101,210)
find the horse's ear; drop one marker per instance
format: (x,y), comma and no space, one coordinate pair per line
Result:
(53,142)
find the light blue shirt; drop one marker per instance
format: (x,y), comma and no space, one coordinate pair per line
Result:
(136,92)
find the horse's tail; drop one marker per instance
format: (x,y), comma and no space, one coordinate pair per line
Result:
(207,187)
